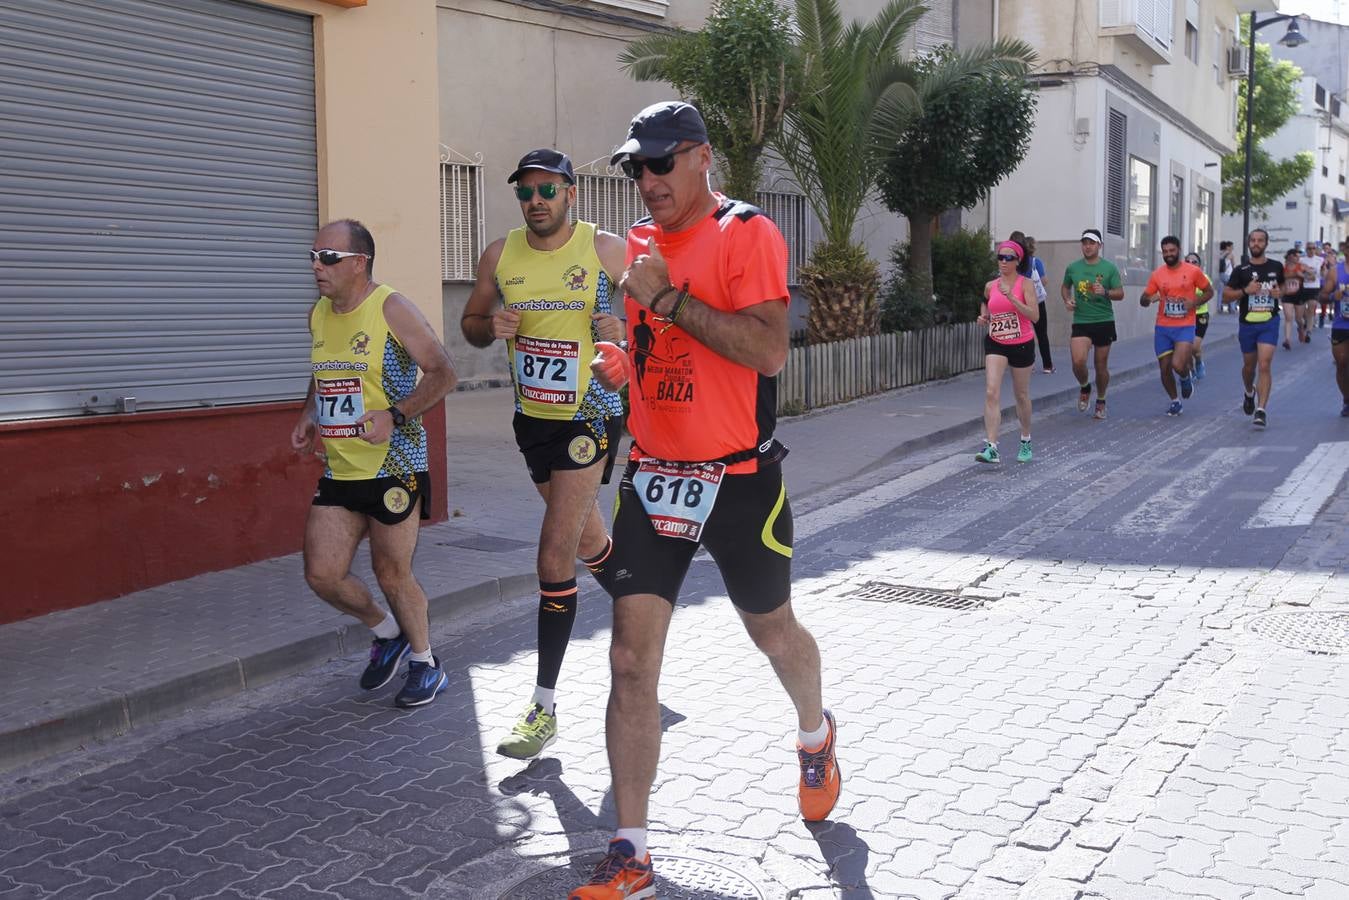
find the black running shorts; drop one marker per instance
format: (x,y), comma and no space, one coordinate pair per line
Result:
(1200,325)
(1102,334)
(387,500)
(1019,356)
(748,534)
(550,445)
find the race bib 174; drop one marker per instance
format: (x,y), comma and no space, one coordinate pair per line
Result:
(340,404)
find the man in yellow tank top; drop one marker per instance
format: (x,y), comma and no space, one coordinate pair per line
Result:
(548,290)
(365,404)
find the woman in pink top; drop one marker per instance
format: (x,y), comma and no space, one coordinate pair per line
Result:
(1010,317)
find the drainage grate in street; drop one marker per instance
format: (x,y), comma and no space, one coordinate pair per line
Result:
(880,592)
(1310,630)
(677,877)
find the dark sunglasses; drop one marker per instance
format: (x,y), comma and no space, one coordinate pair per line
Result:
(332,257)
(1006,257)
(548,191)
(657,165)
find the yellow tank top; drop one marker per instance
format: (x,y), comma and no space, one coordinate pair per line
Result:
(556,292)
(359,366)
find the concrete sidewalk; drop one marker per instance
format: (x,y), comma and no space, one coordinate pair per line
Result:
(92,673)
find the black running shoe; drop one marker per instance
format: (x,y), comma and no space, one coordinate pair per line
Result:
(1248,404)
(385,655)
(1259,421)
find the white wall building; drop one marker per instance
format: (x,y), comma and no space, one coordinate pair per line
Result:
(1136,108)
(1317,209)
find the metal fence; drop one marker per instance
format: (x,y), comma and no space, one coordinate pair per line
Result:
(823,374)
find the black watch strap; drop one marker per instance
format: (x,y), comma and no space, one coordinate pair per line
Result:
(399,420)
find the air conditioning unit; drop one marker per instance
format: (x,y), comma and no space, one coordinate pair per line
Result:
(1237,60)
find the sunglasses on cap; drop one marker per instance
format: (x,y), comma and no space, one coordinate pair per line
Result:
(1007,257)
(329,257)
(656,165)
(548,191)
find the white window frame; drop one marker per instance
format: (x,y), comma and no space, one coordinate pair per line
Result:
(649,7)
(463,226)
(1140,231)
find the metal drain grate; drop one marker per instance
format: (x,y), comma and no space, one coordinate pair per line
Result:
(1315,632)
(678,878)
(880,592)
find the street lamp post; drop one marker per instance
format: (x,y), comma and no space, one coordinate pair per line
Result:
(1293,38)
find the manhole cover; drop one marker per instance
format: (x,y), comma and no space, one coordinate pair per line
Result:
(880,592)
(677,878)
(1315,632)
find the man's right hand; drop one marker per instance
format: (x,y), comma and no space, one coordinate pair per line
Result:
(304,433)
(505,323)
(610,365)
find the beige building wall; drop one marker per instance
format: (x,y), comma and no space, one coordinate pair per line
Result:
(376,80)
(514,78)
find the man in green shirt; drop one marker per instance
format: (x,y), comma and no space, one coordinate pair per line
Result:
(1090,285)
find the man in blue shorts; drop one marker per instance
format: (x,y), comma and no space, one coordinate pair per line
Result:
(1178,288)
(1257,287)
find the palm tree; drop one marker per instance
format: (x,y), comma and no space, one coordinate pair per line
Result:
(857,97)
(736,70)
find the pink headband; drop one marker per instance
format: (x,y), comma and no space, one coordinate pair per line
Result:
(1014,247)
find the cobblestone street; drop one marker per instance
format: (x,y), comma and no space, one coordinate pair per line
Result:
(1092,700)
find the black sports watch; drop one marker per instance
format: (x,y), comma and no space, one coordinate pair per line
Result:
(399,420)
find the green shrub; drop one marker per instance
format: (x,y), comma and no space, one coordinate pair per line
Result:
(962,263)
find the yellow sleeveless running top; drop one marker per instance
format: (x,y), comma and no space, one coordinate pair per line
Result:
(359,366)
(556,292)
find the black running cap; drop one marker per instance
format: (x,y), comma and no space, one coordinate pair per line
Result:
(547,160)
(660,128)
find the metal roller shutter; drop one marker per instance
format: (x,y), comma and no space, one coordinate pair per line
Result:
(158,191)
(936,27)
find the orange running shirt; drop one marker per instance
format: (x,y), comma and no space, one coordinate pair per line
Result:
(689,403)
(1176,285)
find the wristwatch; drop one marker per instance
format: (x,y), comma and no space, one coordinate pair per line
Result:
(398,418)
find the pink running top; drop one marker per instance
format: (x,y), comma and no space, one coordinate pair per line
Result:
(1006,324)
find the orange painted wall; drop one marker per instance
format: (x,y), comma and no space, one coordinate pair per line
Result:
(98,507)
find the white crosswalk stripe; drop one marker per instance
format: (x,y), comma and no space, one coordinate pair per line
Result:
(1179,498)
(1306,490)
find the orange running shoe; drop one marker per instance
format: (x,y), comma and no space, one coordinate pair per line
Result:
(619,876)
(821,780)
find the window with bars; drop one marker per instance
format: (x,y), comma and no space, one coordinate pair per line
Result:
(462,227)
(612,202)
(1117,130)
(791,214)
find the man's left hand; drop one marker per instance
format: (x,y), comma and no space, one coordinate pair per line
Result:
(381,426)
(647,276)
(609,328)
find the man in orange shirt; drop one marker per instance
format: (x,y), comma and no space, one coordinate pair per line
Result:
(1178,287)
(705,469)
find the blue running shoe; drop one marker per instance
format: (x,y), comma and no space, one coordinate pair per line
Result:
(424,682)
(1199,369)
(1174,408)
(1186,388)
(385,655)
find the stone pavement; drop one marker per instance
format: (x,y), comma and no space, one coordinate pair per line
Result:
(155,653)
(1089,714)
